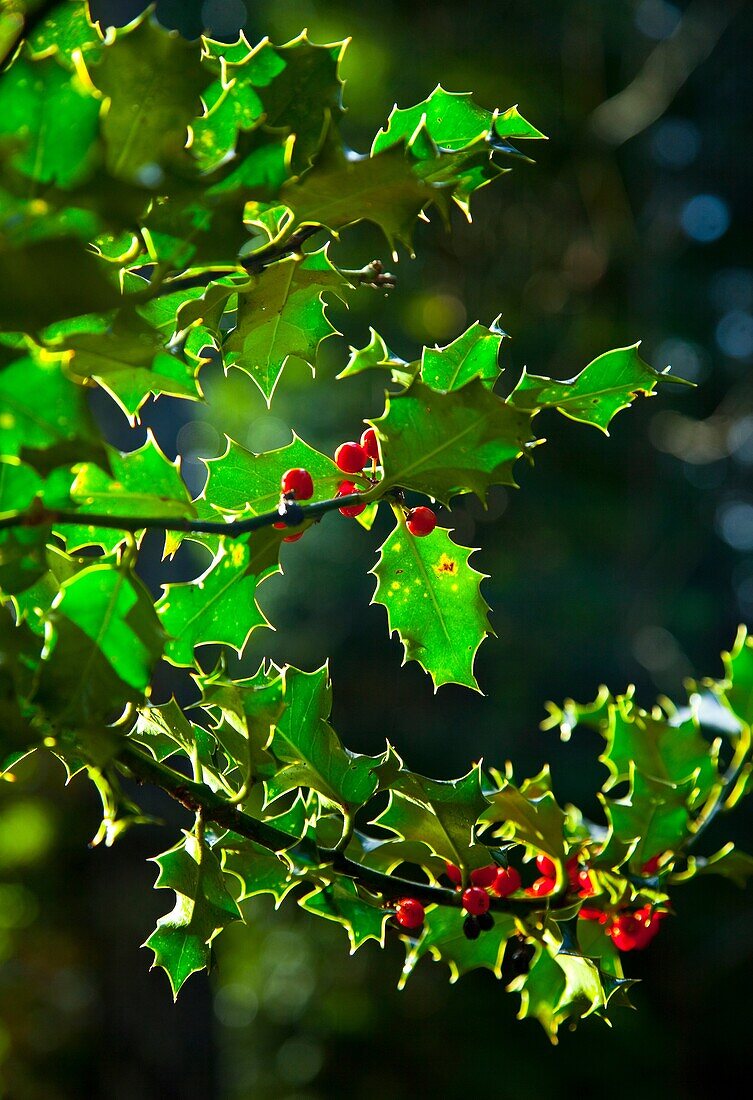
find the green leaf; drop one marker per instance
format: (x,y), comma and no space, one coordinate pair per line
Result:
(440,813)
(258,870)
(658,748)
(453,121)
(607,385)
(244,712)
(116,613)
(377,356)
(433,599)
(282,315)
(300,89)
(737,692)
(295,88)
(652,818)
(360,913)
(20,657)
(22,548)
(442,937)
(242,483)
(203,907)
(40,407)
(63,31)
(219,606)
(165,730)
(147,130)
(56,119)
(310,752)
(473,355)
(34,603)
(384,190)
(143,483)
(445,444)
(131,364)
(529,818)
(729,862)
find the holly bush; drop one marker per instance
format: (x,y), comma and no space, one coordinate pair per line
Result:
(170,206)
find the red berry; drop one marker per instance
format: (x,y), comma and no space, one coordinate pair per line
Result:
(288,538)
(351,510)
(651,866)
(298,482)
(625,932)
(649,921)
(547,867)
(351,457)
(585,884)
(484,876)
(541,887)
(507,882)
(409,913)
(572,870)
(588,912)
(370,444)
(421,521)
(475,901)
(454,874)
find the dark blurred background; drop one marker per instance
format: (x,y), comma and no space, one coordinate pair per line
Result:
(621,559)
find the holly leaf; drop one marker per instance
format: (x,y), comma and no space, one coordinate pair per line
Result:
(310,752)
(258,870)
(445,444)
(473,355)
(433,599)
(659,748)
(145,132)
(729,862)
(296,85)
(218,607)
(242,483)
(360,913)
(131,363)
(182,939)
(440,813)
(531,817)
(282,315)
(41,407)
(442,937)
(115,612)
(453,121)
(377,356)
(165,730)
(652,818)
(55,116)
(143,483)
(607,385)
(63,31)
(339,191)
(736,692)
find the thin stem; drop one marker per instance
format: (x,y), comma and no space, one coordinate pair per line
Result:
(37,516)
(198,797)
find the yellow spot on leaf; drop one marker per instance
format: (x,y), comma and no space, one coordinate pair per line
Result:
(446,566)
(237,553)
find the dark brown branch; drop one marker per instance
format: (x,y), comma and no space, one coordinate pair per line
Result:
(198,797)
(289,513)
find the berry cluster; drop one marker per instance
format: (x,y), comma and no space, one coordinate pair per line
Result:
(476,898)
(352,458)
(579,878)
(630,930)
